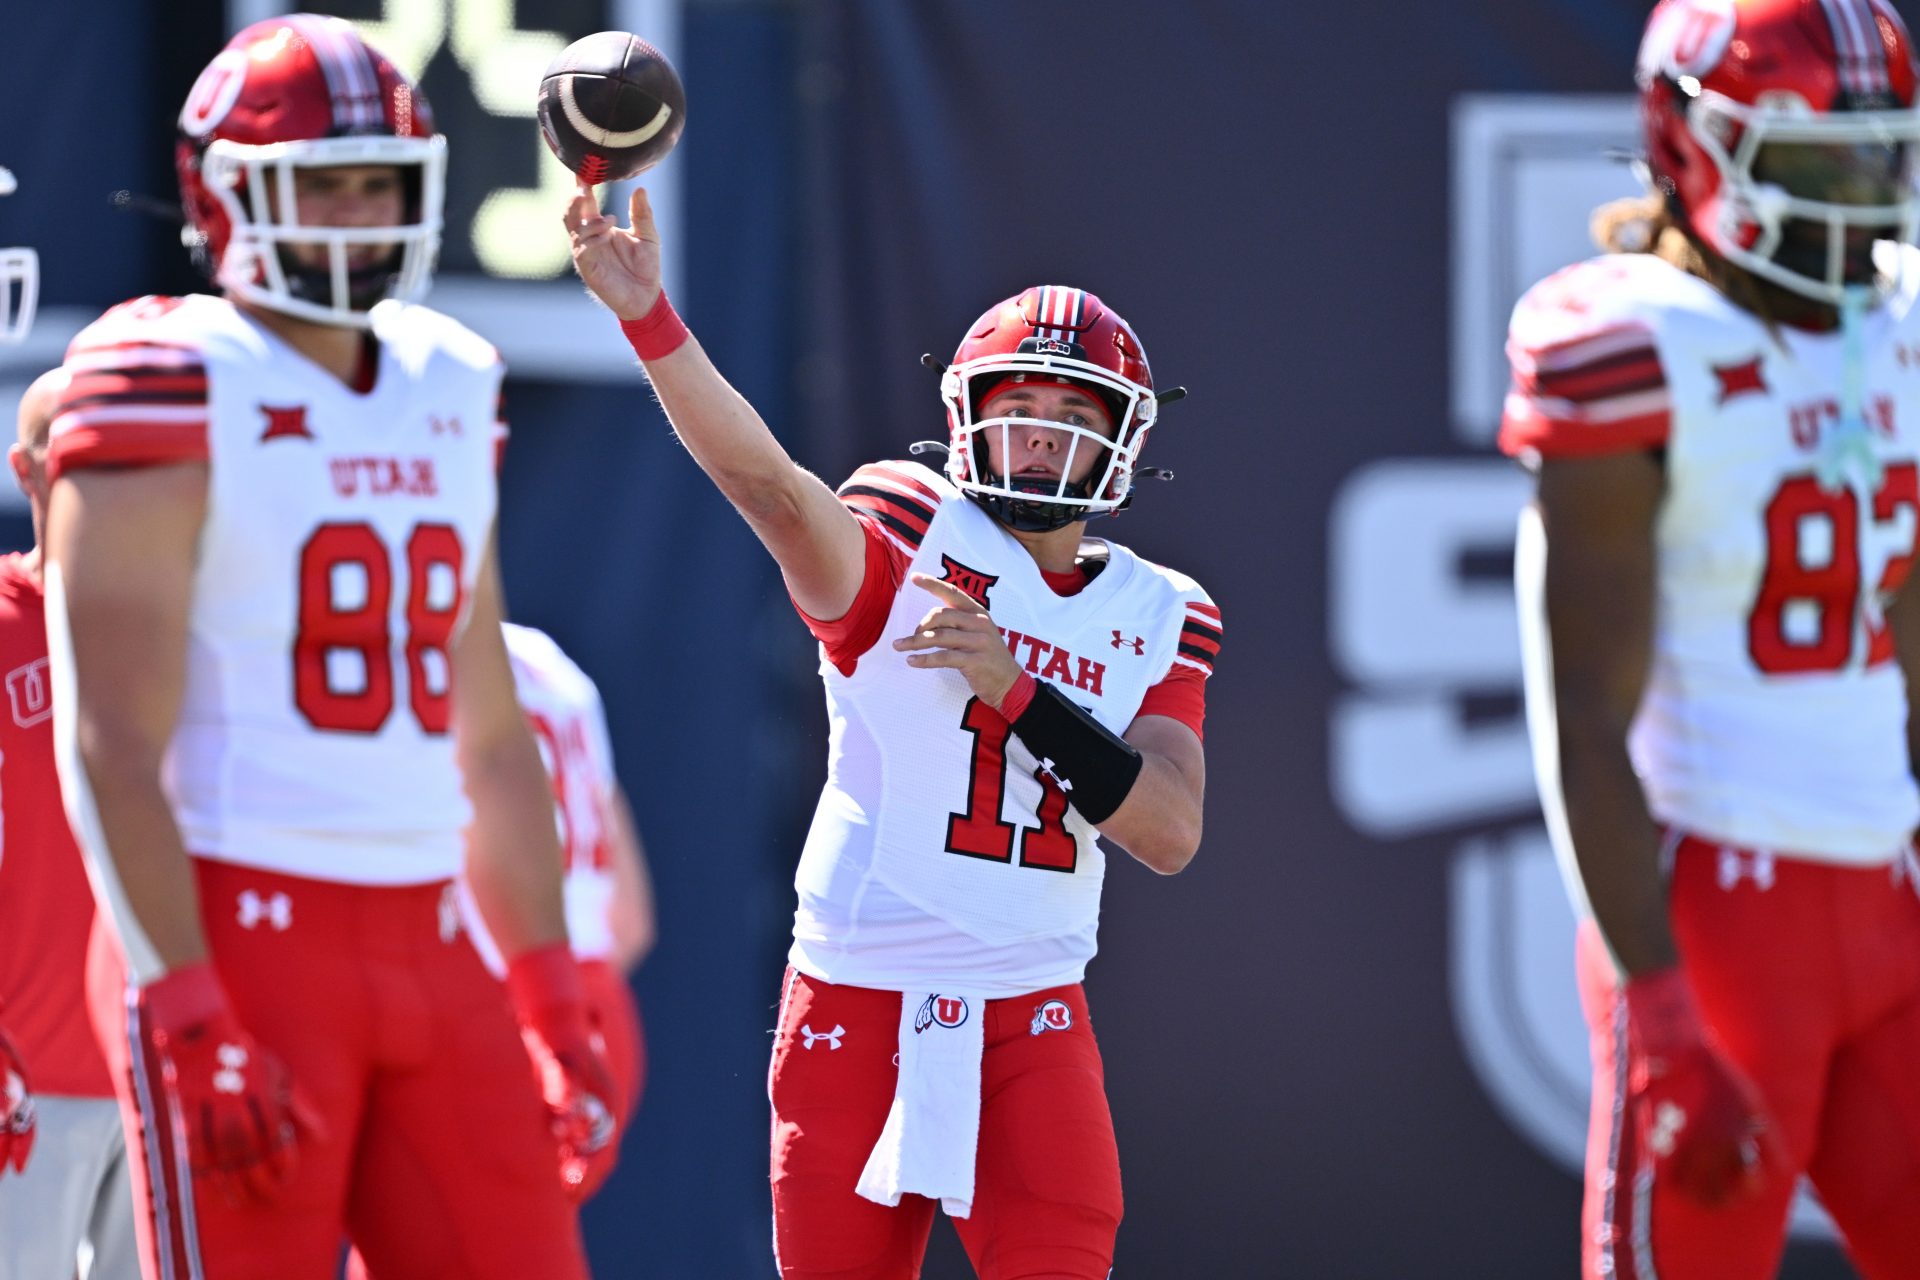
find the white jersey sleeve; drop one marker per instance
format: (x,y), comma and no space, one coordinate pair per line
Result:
(137,389)
(1587,371)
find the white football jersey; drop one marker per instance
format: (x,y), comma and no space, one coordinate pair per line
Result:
(342,537)
(1775,715)
(942,856)
(570,723)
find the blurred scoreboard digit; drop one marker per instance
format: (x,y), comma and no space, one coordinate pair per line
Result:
(503,257)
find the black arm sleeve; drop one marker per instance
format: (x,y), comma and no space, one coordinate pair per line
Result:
(1096,766)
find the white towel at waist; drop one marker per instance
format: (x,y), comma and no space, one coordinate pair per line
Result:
(933,1128)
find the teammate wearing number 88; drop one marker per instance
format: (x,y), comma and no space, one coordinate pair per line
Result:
(281,700)
(1722,647)
(1001,690)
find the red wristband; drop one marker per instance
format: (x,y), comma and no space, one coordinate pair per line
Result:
(1017,698)
(657,333)
(544,978)
(184,997)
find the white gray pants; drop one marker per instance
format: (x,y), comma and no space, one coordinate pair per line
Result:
(71,1213)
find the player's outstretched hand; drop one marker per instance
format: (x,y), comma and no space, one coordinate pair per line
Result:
(1699,1115)
(959,633)
(16,1110)
(620,265)
(244,1118)
(570,1059)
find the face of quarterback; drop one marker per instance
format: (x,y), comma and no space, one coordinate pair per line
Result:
(1040,451)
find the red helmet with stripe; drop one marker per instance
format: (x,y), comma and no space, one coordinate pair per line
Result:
(1783,131)
(1049,333)
(297,92)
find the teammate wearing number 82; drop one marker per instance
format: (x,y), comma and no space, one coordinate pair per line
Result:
(1723,644)
(281,700)
(1001,690)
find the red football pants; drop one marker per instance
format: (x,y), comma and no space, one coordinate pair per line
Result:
(1047,1174)
(1809,975)
(613,1011)
(436,1160)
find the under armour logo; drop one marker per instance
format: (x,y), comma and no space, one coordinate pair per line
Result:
(276,910)
(1138,644)
(230,1078)
(1668,1120)
(1047,766)
(285,424)
(809,1036)
(1739,864)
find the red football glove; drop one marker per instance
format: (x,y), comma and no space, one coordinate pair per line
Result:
(16,1110)
(230,1100)
(571,1060)
(1702,1119)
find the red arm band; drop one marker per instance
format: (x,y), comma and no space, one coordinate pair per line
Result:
(658,333)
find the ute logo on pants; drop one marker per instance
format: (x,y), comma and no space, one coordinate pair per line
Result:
(946,1011)
(1054,1015)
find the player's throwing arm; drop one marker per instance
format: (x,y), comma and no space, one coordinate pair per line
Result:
(815,540)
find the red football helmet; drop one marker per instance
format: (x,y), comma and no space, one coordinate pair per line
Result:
(296,92)
(1784,130)
(1049,333)
(19,281)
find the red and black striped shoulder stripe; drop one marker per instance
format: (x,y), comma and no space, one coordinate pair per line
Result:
(1200,635)
(136,380)
(903,505)
(1621,367)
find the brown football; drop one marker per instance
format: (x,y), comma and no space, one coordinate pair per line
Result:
(611,106)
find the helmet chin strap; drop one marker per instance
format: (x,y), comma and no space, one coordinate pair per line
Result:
(1847,449)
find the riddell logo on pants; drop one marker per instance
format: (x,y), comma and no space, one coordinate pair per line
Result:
(945,1011)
